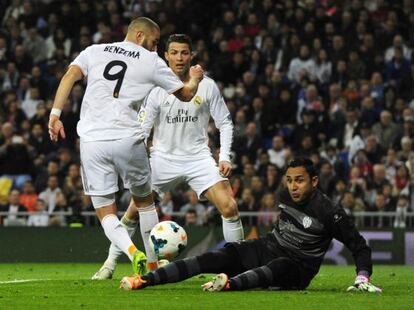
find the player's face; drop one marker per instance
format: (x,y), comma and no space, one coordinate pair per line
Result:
(299,184)
(151,40)
(179,57)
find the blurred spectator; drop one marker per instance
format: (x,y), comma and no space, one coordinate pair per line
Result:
(268,211)
(28,197)
(167,205)
(327,178)
(35,46)
(40,216)
(386,130)
(50,194)
(374,151)
(52,169)
(340,189)
(272,178)
(406,151)
(72,185)
(302,66)
(401,180)
(323,67)
(13,207)
(29,105)
(257,187)
(380,205)
(250,144)
(191,218)
(193,204)
(398,42)
(401,212)
(247,201)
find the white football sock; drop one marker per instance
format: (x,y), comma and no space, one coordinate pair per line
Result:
(114,252)
(232,229)
(118,235)
(148,218)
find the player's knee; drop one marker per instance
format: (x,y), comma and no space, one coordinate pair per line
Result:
(279,263)
(142,190)
(229,208)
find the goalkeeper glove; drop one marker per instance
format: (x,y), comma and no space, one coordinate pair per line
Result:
(362,284)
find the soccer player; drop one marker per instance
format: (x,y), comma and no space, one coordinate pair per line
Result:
(288,257)
(180,149)
(120,75)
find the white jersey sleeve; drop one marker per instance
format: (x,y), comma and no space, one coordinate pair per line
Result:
(149,111)
(82,60)
(165,77)
(222,119)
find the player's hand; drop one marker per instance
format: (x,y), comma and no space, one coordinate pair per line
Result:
(196,72)
(56,128)
(362,284)
(225,168)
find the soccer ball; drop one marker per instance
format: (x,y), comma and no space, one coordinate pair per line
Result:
(168,239)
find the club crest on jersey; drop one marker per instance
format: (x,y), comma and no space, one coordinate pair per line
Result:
(198,100)
(141,115)
(306,222)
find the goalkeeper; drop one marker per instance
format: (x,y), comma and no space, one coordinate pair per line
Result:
(289,257)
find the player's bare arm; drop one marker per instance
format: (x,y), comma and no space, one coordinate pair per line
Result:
(187,92)
(56,127)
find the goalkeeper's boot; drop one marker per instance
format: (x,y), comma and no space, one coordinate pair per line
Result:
(139,263)
(106,271)
(219,283)
(134,282)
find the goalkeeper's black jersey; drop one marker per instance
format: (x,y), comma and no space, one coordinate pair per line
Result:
(305,231)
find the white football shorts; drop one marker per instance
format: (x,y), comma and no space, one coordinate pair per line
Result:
(200,174)
(102,162)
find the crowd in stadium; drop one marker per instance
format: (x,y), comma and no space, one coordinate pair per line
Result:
(331,80)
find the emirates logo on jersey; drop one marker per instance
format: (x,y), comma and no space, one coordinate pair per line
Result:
(307,222)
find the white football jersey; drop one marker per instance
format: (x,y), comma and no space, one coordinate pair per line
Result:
(180,128)
(119,75)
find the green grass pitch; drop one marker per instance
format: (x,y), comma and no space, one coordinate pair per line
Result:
(67,286)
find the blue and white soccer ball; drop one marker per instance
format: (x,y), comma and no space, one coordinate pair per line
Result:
(168,239)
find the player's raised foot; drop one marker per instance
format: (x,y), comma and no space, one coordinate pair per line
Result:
(219,282)
(105,272)
(139,263)
(134,282)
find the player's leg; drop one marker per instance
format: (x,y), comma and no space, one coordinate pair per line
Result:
(100,181)
(133,166)
(148,218)
(116,233)
(226,260)
(163,180)
(129,221)
(220,194)
(280,272)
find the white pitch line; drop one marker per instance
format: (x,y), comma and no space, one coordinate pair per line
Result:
(22,281)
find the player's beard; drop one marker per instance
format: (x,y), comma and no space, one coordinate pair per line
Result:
(146,45)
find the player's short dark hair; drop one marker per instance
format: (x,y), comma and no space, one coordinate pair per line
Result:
(179,38)
(305,163)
